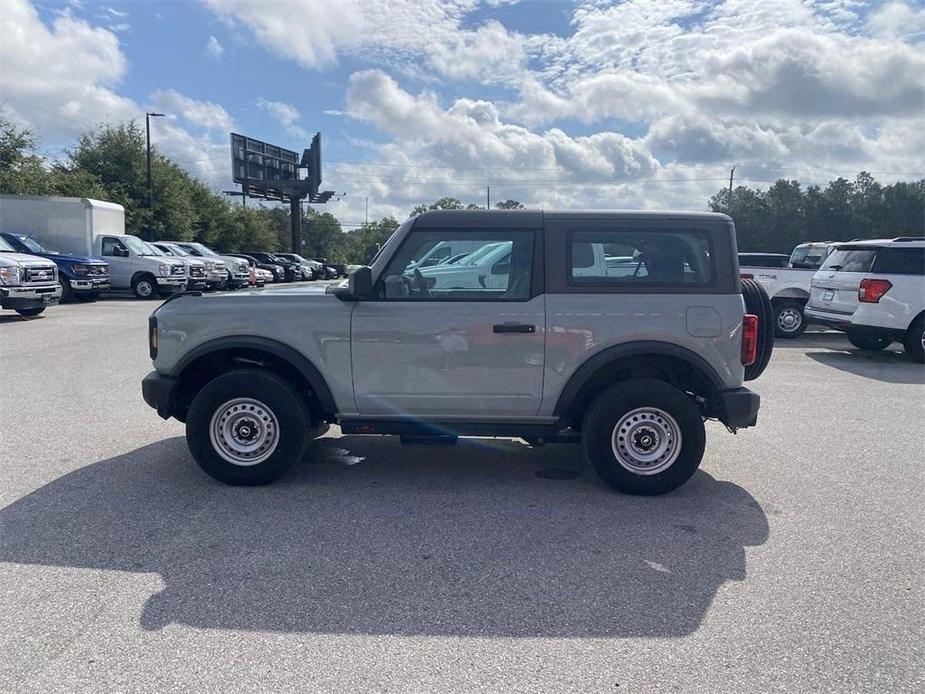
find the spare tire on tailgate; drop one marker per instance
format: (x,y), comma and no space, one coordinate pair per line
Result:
(758,303)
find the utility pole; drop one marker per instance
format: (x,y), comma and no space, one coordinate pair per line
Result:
(488,197)
(729,202)
(148,117)
(367,210)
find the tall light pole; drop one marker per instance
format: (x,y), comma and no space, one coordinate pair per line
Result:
(148,117)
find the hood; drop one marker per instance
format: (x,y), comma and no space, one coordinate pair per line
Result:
(69,258)
(7,258)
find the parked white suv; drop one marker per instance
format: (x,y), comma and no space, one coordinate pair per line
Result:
(875,292)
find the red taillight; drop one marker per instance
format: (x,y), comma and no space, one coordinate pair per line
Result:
(749,339)
(746,276)
(871,291)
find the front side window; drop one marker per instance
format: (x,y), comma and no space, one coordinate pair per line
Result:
(495,266)
(644,257)
(113,247)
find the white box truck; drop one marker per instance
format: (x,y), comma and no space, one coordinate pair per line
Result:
(93,228)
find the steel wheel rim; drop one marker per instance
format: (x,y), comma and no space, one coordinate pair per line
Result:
(244,431)
(646,441)
(144,288)
(789,320)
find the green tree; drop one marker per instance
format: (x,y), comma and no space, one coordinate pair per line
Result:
(445,203)
(509,205)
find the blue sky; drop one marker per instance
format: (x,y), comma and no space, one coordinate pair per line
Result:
(634,103)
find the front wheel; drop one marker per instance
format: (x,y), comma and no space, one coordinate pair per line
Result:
(247,427)
(644,437)
(789,321)
(66,292)
(30,312)
(144,287)
(869,342)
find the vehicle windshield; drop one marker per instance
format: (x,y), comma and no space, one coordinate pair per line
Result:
(176,250)
(155,250)
(31,244)
(137,246)
(5,246)
(850,259)
(199,249)
(480,253)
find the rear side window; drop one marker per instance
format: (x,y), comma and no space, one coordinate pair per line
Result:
(850,259)
(900,261)
(641,258)
(808,257)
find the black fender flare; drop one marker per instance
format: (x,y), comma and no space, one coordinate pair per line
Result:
(278,349)
(610,355)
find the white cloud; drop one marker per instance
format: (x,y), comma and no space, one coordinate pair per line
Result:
(119,28)
(116,13)
(285,114)
(214,49)
(897,19)
(204,114)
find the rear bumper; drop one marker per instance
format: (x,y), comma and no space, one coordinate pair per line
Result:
(836,321)
(738,408)
(157,390)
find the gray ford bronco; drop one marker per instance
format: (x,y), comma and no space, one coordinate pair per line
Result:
(623,331)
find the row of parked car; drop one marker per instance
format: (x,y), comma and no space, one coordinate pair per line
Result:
(33,277)
(871,289)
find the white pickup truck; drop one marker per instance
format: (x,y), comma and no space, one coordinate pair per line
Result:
(788,286)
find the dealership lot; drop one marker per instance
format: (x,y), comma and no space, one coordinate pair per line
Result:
(792,561)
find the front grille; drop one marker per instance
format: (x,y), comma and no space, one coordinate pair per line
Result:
(197,271)
(39,275)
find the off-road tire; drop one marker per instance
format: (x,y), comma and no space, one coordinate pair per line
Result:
(758,304)
(869,342)
(914,342)
(789,320)
(139,285)
(289,412)
(601,439)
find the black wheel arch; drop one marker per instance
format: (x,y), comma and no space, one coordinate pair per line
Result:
(664,361)
(210,359)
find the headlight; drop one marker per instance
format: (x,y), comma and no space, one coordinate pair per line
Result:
(10,275)
(243,267)
(219,264)
(80,269)
(210,265)
(164,270)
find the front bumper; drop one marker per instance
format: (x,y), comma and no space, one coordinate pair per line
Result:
(30,297)
(178,282)
(738,408)
(240,280)
(157,390)
(90,284)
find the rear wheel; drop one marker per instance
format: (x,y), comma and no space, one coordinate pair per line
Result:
(914,343)
(758,304)
(144,287)
(789,321)
(644,437)
(247,427)
(869,342)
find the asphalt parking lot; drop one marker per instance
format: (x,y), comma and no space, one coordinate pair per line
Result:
(793,561)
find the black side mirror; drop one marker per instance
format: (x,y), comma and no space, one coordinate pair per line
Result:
(359,286)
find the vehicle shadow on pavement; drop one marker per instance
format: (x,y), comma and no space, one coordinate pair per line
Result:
(887,366)
(368,537)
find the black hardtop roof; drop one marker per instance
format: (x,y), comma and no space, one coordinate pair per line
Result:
(535,218)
